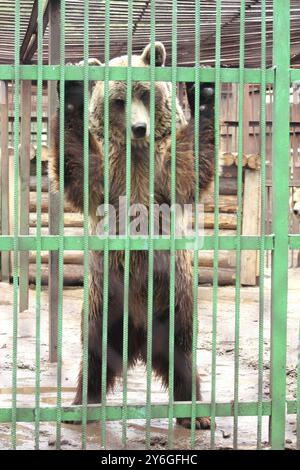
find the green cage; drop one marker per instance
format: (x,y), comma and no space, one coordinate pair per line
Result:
(40,62)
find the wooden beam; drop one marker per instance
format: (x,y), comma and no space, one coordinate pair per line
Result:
(24,187)
(29,44)
(5,264)
(31,29)
(54,41)
(251,225)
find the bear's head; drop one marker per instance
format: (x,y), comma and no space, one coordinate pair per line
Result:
(140,103)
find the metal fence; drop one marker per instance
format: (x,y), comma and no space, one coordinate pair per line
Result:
(280,76)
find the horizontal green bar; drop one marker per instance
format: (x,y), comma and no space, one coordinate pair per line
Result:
(291,407)
(114,413)
(294,241)
(295,75)
(51,243)
(184,74)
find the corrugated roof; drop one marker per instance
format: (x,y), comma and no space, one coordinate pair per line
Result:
(141,31)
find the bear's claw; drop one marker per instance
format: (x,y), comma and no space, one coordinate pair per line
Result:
(201,423)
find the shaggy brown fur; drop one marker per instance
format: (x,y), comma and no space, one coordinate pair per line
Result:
(185,184)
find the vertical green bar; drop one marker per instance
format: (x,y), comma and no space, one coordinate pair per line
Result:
(173,222)
(106,226)
(280,211)
(85,222)
(263,86)
(38,217)
(239,225)
(196,248)
(61,219)
(298,395)
(16,226)
(127,234)
(216,223)
(151,224)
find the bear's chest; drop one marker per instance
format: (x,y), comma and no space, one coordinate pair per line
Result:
(139,178)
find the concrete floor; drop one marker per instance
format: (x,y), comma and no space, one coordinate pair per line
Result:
(71,434)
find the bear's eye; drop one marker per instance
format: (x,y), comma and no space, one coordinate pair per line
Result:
(119,103)
(145,97)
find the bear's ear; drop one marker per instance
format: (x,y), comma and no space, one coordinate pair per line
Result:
(160,54)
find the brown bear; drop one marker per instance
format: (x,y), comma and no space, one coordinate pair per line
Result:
(138,277)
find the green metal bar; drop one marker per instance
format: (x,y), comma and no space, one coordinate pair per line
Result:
(16,225)
(106,227)
(172,232)
(280,211)
(294,242)
(184,74)
(51,243)
(291,408)
(295,76)
(24,196)
(61,220)
(127,240)
(114,413)
(38,226)
(196,251)
(151,224)
(239,222)
(298,395)
(4,171)
(216,223)
(263,86)
(85,225)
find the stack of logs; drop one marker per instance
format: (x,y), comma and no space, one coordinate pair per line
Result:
(73,222)
(228,220)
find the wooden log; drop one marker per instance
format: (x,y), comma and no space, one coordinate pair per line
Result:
(253,161)
(68,231)
(44,183)
(250,225)
(71,219)
(244,160)
(227,203)
(206,259)
(73,274)
(70,257)
(228,158)
(222,232)
(226,277)
(226,221)
(45,203)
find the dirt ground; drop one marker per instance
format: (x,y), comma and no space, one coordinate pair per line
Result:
(71,434)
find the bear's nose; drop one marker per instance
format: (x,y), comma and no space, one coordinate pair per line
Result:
(296,212)
(139,130)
